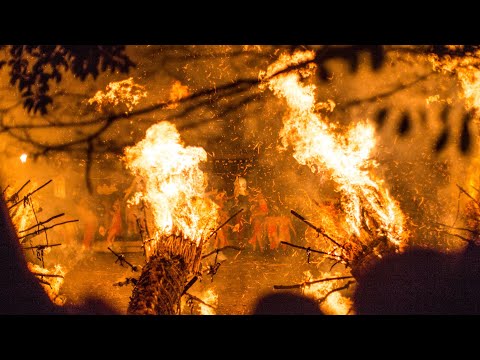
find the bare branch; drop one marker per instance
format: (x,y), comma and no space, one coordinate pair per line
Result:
(307,283)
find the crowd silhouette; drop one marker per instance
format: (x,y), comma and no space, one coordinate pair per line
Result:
(418,281)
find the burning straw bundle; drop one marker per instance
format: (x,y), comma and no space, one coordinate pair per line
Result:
(183,217)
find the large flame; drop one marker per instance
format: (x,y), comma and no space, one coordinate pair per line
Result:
(318,143)
(174,184)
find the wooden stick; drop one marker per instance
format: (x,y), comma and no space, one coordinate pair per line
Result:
(459,236)
(200,301)
(43,222)
(470,196)
(307,249)
(38,232)
(40,247)
(456,228)
(30,194)
(316,228)
(17,192)
(346,286)
(224,223)
(298,286)
(47,275)
(223,248)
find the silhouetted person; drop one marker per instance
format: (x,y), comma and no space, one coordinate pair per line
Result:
(286,304)
(20,291)
(418,281)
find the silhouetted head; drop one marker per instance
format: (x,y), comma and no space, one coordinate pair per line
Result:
(286,304)
(418,281)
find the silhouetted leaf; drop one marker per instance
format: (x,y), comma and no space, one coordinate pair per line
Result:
(404,124)
(353,60)
(444,113)
(422,114)
(465,137)
(377,56)
(442,139)
(381,117)
(323,73)
(28,66)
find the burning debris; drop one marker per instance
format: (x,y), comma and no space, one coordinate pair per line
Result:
(183,217)
(23,211)
(373,221)
(170,214)
(125,92)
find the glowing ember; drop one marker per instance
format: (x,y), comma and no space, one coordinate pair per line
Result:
(121,92)
(51,285)
(177,92)
(370,211)
(23,158)
(211,298)
(174,184)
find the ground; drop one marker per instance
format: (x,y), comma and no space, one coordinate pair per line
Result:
(241,279)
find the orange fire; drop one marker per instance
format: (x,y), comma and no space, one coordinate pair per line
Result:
(54,283)
(467,70)
(120,92)
(345,154)
(211,298)
(333,303)
(174,184)
(23,217)
(177,92)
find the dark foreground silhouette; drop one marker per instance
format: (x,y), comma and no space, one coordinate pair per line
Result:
(286,304)
(422,281)
(418,281)
(20,291)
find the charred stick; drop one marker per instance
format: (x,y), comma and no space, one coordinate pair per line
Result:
(122,259)
(459,236)
(470,196)
(127,281)
(299,286)
(336,257)
(30,194)
(189,284)
(305,248)
(15,196)
(38,232)
(140,229)
(43,222)
(222,248)
(317,229)
(41,247)
(199,300)
(44,282)
(346,286)
(225,223)
(474,188)
(48,275)
(3,192)
(457,228)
